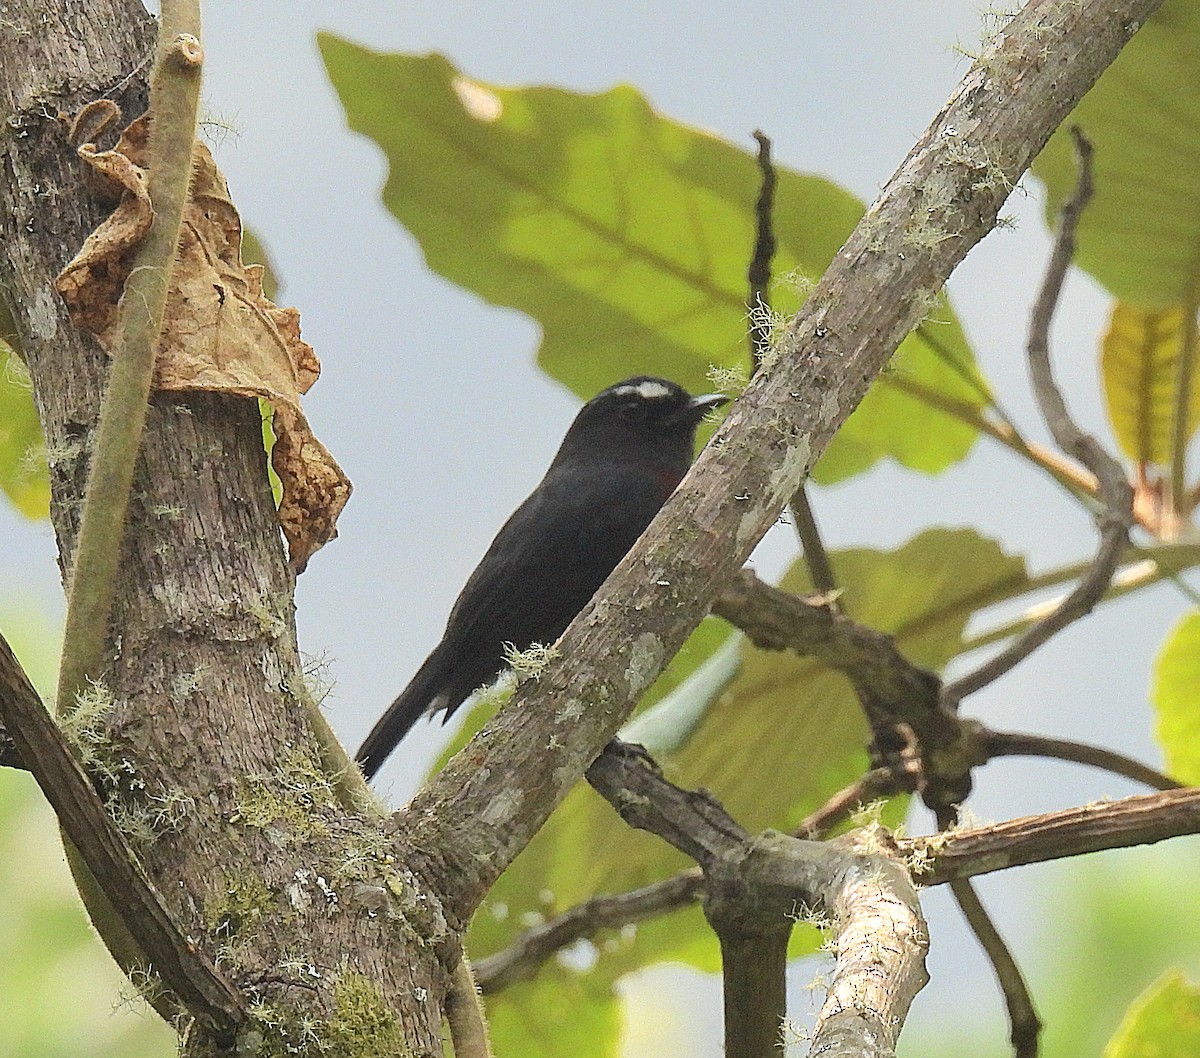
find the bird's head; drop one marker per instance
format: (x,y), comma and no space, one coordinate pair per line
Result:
(643,418)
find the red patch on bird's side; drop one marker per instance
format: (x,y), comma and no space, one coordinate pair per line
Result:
(669,478)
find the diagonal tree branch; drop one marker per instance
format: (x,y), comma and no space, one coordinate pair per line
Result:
(185,970)
(933,860)
(483,808)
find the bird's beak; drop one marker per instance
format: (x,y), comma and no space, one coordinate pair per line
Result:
(707,402)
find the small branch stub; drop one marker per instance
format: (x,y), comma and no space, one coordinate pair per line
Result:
(185,50)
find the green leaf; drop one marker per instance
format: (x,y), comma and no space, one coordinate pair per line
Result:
(1176,695)
(1139,234)
(559,1013)
(23,474)
(1139,359)
(1164,1022)
(787,716)
(625,235)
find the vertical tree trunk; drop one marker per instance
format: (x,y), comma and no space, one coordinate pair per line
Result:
(203,743)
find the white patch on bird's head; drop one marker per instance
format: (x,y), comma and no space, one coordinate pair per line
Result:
(648,390)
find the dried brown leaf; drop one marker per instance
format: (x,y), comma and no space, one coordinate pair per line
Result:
(220,332)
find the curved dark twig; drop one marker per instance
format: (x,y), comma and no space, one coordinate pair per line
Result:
(1024,1024)
(1021,744)
(1114,493)
(758,275)
(522,958)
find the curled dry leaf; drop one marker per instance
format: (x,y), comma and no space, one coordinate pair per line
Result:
(220,333)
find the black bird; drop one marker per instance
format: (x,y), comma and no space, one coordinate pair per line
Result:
(627,449)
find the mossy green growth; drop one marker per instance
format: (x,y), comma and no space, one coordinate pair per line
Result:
(362,1024)
(86,728)
(237,903)
(529,664)
(288,798)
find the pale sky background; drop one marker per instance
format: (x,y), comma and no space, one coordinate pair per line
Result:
(431,401)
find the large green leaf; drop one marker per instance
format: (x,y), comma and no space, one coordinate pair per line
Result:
(557,1014)
(1176,696)
(624,234)
(789,716)
(1139,234)
(1162,1023)
(23,475)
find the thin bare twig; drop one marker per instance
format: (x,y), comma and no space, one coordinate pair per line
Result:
(1115,495)
(758,305)
(816,558)
(1019,744)
(1024,1024)
(523,957)
(758,300)
(873,785)
(774,620)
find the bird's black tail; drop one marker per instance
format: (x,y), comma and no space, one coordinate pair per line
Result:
(424,693)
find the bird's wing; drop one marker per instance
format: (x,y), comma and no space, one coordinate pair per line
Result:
(552,554)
